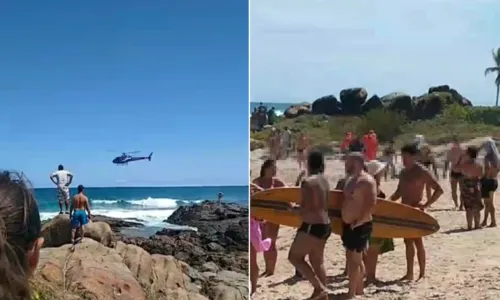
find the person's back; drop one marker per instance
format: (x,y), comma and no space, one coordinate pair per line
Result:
(62,176)
(79,207)
(318,209)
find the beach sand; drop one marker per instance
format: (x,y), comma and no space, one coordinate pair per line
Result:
(460,264)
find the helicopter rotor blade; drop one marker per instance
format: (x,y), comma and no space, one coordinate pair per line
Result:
(132,152)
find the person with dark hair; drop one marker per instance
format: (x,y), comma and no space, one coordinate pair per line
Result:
(390,158)
(267,180)
(20,237)
(427,158)
(453,157)
(316,227)
(360,198)
(470,192)
(77,214)
(62,179)
(302,145)
(489,182)
(412,181)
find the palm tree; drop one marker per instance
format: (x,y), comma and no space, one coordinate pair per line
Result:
(495,69)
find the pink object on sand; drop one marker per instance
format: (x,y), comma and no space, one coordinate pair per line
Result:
(256,237)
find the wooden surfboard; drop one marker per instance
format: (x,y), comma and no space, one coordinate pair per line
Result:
(390,220)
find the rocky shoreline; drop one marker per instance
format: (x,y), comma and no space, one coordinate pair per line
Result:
(210,263)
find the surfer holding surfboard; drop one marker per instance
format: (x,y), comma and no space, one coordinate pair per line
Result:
(412,181)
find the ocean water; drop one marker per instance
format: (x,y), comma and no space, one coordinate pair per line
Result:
(280,107)
(150,204)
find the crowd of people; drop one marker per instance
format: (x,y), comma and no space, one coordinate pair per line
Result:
(262,117)
(472,182)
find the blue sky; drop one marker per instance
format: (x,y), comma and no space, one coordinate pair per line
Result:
(302,49)
(81,79)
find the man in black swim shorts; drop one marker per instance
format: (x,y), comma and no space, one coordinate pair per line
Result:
(316,227)
(453,158)
(360,198)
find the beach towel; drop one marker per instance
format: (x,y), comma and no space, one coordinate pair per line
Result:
(256,237)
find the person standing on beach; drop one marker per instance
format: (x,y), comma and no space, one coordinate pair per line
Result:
(360,198)
(426,158)
(453,157)
(470,187)
(267,180)
(489,182)
(412,181)
(78,213)
(62,179)
(302,145)
(316,227)
(219,197)
(286,142)
(390,158)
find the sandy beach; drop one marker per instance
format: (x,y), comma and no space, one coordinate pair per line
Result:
(460,264)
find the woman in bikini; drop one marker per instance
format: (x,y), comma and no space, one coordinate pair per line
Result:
(470,191)
(267,180)
(489,182)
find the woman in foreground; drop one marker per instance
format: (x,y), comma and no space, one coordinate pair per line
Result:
(20,240)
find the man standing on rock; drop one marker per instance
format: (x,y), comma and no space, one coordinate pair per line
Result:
(453,157)
(316,227)
(62,179)
(78,213)
(412,181)
(360,198)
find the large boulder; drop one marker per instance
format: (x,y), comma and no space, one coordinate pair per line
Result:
(456,96)
(352,100)
(296,110)
(327,105)
(57,232)
(399,102)
(373,103)
(430,105)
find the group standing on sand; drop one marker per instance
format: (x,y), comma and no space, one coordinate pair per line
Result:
(476,183)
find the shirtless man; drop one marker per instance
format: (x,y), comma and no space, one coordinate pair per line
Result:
(412,181)
(360,198)
(267,180)
(302,145)
(390,158)
(77,214)
(427,159)
(316,227)
(453,157)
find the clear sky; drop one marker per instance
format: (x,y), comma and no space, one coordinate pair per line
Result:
(303,49)
(81,79)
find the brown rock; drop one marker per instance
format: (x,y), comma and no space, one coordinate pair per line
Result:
(297,110)
(57,232)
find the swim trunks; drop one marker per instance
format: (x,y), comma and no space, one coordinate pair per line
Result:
(470,194)
(488,185)
(320,231)
(356,239)
(79,219)
(455,175)
(300,150)
(63,194)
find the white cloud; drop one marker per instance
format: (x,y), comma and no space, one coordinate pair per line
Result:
(305,49)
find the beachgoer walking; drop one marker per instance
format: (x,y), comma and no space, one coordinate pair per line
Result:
(20,238)
(80,207)
(426,158)
(390,158)
(360,198)
(257,245)
(453,157)
(489,183)
(412,181)
(302,145)
(267,180)
(377,246)
(316,227)
(286,142)
(470,187)
(62,179)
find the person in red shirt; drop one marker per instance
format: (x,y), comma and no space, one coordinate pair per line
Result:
(371,145)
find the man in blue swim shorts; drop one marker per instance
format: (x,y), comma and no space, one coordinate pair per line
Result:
(78,213)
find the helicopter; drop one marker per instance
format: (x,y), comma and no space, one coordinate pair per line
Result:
(126,157)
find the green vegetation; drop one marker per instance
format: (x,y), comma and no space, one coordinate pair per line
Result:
(495,69)
(464,122)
